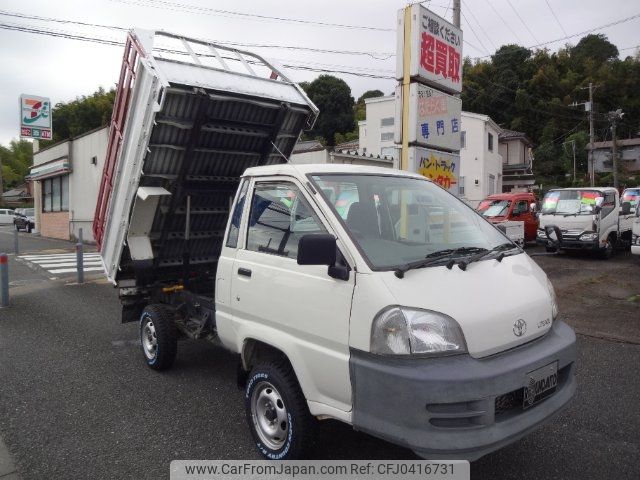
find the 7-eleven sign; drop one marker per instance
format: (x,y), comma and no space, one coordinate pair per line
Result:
(35,117)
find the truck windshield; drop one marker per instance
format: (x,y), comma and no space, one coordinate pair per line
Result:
(396,220)
(570,202)
(494,208)
(631,195)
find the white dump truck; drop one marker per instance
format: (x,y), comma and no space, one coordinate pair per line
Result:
(590,218)
(366,295)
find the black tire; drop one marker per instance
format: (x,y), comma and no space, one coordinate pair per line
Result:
(300,425)
(157,326)
(550,249)
(607,252)
(29,228)
(17,227)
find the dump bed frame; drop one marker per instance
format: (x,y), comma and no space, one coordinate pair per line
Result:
(190,116)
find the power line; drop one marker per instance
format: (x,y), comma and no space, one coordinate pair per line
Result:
(567,37)
(474,32)
(556,17)
(165,4)
(479,24)
(503,20)
(375,55)
(523,22)
(85,38)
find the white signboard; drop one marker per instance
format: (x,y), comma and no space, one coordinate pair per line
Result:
(441,167)
(434,118)
(436,49)
(35,117)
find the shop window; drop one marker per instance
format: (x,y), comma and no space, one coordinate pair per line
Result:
(55,194)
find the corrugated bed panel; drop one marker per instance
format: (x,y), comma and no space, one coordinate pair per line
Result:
(232,135)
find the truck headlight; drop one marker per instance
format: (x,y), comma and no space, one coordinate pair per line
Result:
(408,331)
(541,233)
(554,300)
(635,240)
(589,237)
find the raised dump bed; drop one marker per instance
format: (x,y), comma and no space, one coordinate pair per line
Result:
(189,118)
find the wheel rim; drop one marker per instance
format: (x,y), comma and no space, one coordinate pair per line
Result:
(269,413)
(149,340)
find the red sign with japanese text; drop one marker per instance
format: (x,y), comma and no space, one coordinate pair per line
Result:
(436,50)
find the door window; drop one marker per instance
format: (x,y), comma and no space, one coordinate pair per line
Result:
(236,217)
(522,207)
(279,217)
(609,204)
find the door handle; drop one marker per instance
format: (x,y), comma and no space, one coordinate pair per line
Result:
(245,272)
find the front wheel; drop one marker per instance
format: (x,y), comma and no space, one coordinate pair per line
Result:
(606,252)
(277,412)
(158,336)
(29,228)
(17,227)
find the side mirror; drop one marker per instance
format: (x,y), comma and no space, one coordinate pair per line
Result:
(321,249)
(626,208)
(533,207)
(317,249)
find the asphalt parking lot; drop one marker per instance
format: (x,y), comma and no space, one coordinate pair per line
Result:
(76,400)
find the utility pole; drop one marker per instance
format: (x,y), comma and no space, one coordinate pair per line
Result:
(456,13)
(591,136)
(1,190)
(614,117)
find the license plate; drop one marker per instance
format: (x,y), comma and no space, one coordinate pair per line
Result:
(539,384)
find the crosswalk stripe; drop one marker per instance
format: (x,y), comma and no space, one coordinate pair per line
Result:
(55,257)
(62,260)
(70,270)
(69,264)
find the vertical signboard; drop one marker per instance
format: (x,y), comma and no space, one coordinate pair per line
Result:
(35,117)
(436,50)
(441,167)
(434,118)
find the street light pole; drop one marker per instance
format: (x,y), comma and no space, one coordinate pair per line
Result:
(456,13)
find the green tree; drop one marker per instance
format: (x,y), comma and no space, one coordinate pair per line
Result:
(16,161)
(333,97)
(360,107)
(78,116)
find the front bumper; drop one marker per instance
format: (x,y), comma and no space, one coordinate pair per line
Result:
(573,244)
(459,406)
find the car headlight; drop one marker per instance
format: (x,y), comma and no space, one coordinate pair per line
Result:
(589,237)
(554,300)
(635,240)
(541,233)
(408,331)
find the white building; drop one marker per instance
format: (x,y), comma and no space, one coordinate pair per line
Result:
(480,161)
(66,179)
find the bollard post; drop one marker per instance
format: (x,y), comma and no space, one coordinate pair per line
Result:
(80,261)
(4,280)
(16,246)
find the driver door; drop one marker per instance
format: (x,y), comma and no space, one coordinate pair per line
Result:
(299,309)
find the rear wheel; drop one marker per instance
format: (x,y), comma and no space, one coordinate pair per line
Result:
(158,336)
(277,411)
(550,249)
(29,228)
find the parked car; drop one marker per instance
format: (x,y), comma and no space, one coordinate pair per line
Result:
(25,220)
(366,295)
(635,239)
(503,207)
(6,216)
(590,218)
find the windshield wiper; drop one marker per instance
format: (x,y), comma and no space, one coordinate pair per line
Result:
(499,248)
(437,257)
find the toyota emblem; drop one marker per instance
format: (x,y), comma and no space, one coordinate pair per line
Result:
(519,327)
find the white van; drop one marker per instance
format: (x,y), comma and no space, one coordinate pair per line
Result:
(635,242)
(6,216)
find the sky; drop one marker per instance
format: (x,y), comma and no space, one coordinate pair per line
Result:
(63,69)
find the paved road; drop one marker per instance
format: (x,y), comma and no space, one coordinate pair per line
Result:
(76,401)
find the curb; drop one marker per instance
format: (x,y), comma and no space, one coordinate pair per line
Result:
(7,468)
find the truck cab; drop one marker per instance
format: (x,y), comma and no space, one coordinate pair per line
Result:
(590,218)
(504,207)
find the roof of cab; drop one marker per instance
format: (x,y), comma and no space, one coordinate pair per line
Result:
(510,195)
(324,168)
(597,189)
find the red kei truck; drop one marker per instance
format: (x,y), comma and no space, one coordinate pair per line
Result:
(503,207)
